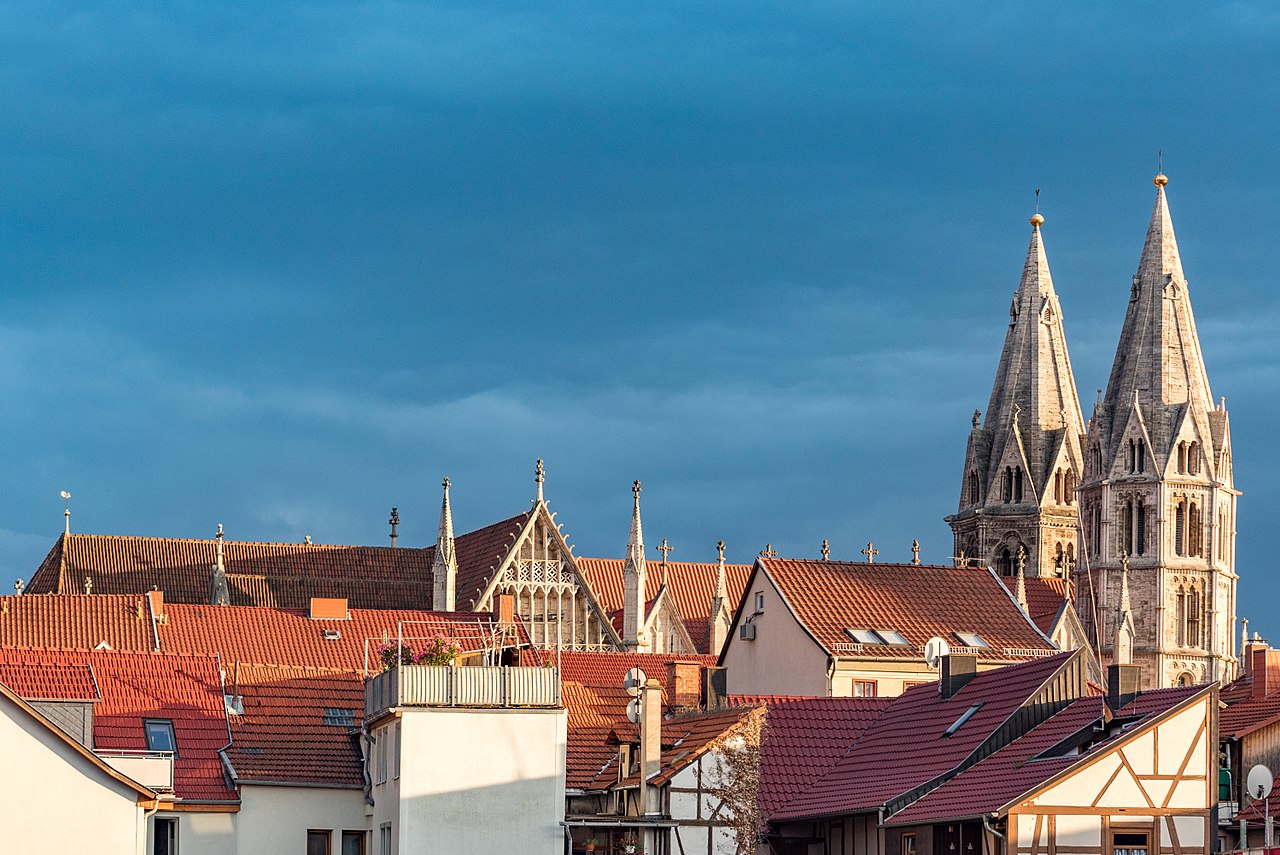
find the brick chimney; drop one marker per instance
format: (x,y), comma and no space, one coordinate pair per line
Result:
(1264,666)
(686,684)
(504,608)
(957,669)
(1124,682)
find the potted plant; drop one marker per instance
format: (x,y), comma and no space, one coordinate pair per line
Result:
(629,844)
(590,845)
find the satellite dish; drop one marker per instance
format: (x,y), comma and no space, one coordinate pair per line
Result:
(934,649)
(633,711)
(1259,781)
(634,681)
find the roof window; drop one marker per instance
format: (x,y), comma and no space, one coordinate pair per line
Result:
(876,636)
(971,639)
(332,635)
(160,734)
(891,636)
(339,717)
(964,716)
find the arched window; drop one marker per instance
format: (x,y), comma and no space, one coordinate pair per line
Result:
(974,488)
(1006,485)
(1071,557)
(1180,529)
(1193,459)
(1142,455)
(1133,456)
(1017,484)
(1057,486)
(1185,679)
(1126,527)
(1194,530)
(1069,487)
(1195,606)
(1059,560)
(1182,616)
(1140,529)
(1004,562)
(1182,457)
(1223,535)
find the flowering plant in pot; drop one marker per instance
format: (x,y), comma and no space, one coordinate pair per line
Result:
(629,844)
(590,844)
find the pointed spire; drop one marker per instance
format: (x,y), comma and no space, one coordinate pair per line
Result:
(634,578)
(1022,580)
(444,569)
(1122,648)
(1126,605)
(720,615)
(539,475)
(219,591)
(722,582)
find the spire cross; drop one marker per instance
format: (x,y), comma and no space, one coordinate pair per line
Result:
(826,550)
(960,559)
(915,551)
(1037,200)
(665,548)
(871,552)
(768,551)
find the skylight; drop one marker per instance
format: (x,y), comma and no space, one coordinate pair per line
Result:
(876,636)
(159,733)
(964,716)
(891,636)
(339,717)
(971,639)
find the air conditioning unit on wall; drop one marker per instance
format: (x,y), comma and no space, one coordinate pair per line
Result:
(747,632)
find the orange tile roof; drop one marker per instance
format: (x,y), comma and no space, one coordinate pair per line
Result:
(134,686)
(691,585)
(46,681)
(1245,715)
(1046,597)
(236,633)
(687,737)
(918,601)
(282,736)
(283,575)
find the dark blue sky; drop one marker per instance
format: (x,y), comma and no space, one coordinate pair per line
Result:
(281,266)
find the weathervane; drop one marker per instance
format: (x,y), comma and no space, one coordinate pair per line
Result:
(66,514)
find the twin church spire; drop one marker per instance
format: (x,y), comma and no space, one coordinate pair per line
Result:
(1137,506)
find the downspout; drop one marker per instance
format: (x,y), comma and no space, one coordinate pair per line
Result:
(831,676)
(986,824)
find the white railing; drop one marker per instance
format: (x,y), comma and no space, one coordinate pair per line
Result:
(1029,652)
(151,769)
(449,686)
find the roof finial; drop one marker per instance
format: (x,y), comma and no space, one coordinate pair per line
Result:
(1022,579)
(1036,219)
(768,551)
(1124,582)
(826,550)
(720,552)
(395,518)
(539,475)
(19,585)
(871,552)
(66,514)
(665,548)
(915,551)
(1161,179)
(88,585)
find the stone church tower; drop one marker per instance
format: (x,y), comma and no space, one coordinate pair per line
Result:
(1024,460)
(1157,491)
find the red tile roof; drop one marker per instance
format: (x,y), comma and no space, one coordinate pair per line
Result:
(45,681)
(134,686)
(692,587)
(282,575)
(909,738)
(1245,716)
(1007,774)
(687,737)
(283,737)
(918,601)
(804,738)
(1046,598)
(237,633)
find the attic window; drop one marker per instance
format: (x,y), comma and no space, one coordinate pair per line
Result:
(339,717)
(876,636)
(332,635)
(160,734)
(964,716)
(971,639)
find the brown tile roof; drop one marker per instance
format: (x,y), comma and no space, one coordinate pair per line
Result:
(184,689)
(918,601)
(1242,717)
(283,736)
(236,633)
(1046,598)
(687,737)
(691,585)
(282,575)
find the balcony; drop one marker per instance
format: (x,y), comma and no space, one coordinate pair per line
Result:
(450,686)
(151,769)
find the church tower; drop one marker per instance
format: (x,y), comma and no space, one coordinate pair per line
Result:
(1023,462)
(1157,496)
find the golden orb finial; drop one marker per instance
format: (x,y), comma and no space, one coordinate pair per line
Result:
(1160,180)
(1037,220)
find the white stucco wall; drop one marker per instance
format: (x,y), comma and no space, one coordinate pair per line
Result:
(55,799)
(200,833)
(783,659)
(479,780)
(276,819)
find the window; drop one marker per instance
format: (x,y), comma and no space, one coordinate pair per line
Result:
(1006,485)
(1069,488)
(166,836)
(353,843)
(909,843)
(1140,529)
(975,489)
(160,734)
(1142,455)
(971,639)
(1017,484)
(396,749)
(1195,529)
(759,602)
(864,636)
(381,765)
(1193,459)
(339,717)
(892,636)
(384,839)
(1180,529)
(964,716)
(864,688)
(1004,562)
(318,842)
(1129,843)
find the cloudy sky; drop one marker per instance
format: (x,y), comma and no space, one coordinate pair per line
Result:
(283,266)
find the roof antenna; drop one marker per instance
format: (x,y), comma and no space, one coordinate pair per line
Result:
(66,514)
(394,521)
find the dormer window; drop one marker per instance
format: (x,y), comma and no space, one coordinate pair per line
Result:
(971,639)
(159,733)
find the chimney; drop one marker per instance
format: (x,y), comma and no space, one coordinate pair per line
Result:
(329,608)
(650,737)
(1124,683)
(505,608)
(715,686)
(685,681)
(1264,666)
(957,669)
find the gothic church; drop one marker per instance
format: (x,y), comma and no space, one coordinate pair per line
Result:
(1137,506)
